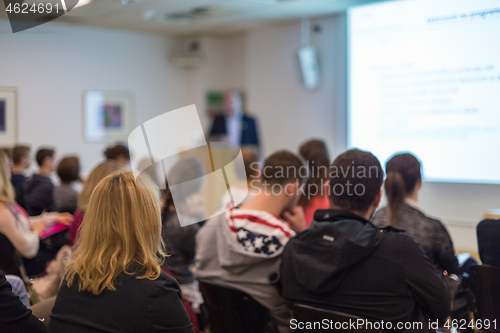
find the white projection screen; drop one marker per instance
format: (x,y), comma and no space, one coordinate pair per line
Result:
(424,77)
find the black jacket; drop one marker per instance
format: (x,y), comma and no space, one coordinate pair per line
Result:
(38,193)
(180,242)
(488,240)
(345,263)
(249,130)
(427,232)
(14,316)
(136,306)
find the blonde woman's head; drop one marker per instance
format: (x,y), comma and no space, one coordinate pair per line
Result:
(120,233)
(96,175)
(7,194)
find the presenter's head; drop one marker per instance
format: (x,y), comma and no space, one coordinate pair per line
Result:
(232,103)
(404,180)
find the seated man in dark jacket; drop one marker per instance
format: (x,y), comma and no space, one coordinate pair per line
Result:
(345,263)
(39,189)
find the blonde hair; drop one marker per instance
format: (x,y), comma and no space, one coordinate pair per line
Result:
(96,175)
(7,194)
(120,233)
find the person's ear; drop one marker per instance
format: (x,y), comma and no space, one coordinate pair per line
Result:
(291,189)
(378,198)
(419,183)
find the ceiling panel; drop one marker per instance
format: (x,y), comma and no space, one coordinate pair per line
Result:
(197,16)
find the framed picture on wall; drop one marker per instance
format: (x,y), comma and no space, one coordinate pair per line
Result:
(8,116)
(108,116)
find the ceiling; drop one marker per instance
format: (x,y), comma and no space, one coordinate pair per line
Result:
(188,17)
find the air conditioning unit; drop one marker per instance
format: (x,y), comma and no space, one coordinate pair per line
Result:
(192,57)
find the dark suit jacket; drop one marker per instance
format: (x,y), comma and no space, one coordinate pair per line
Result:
(14,316)
(136,306)
(488,236)
(249,131)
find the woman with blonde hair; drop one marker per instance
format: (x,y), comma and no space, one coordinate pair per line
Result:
(115,283)
(96,175)
(20,233)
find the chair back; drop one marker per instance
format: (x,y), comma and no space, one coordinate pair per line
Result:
(230,310)
(485,286)
(306,313)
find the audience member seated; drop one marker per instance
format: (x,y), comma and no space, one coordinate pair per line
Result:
(14,316)
(403,183)
(315,193)
(65,196)
(21,231)
(39,189)
(247,183)
(22,161)
(96,175)
(488,240)
(345,263)
(180,240)
(118,154)
(115,282)
(242,247)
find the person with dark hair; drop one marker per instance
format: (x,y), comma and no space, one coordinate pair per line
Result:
(21,159)
(119,154)
(403,183)
(39,189)
(65,196)
(242,247)
(488,235)
(180,240)
(315,195)
(345,263)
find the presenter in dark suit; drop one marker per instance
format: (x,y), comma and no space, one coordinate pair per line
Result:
(234,126)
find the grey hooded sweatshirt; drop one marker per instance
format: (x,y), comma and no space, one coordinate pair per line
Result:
(241,249)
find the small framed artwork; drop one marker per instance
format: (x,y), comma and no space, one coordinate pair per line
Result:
(108,116)
(8,117)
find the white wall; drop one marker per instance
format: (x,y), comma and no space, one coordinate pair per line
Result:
(53,64)
(288,113)
(224,69)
